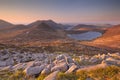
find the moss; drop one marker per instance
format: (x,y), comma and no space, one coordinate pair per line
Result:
(17,75)
(116,77)
(82,75)
(41,77)
(63,76)
(105,73)
(108,73)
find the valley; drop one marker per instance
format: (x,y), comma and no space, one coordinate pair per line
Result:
(45,50)
(59,39)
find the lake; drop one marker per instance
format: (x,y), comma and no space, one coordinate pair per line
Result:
(85,36)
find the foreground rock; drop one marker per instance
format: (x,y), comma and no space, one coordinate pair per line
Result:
(61,67)
(112,61)
(71,69)
(34,70)
(42,63)
(47,69)
(94,67)
(52,76)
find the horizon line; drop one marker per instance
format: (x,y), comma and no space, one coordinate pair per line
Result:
(69,23)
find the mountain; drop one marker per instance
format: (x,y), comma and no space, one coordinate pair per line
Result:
(42,31)
(36,31)
(66,26)
(12,31)
(14,28)
(48,22)
(84,27)
(110,38)
(5,24)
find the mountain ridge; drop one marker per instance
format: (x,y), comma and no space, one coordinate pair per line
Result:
(5,24)
(110,38)
(36,31)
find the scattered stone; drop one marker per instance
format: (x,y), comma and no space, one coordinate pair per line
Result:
(52,76)
(18,66)
(47,69)
(69,60)
(61,67)
(34,70)
(43,63)
(6,68)
(94,59)
(93,67)
(3,63)
(71,69)
(60,57)
(112,61)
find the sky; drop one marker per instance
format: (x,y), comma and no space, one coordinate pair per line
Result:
(62,11)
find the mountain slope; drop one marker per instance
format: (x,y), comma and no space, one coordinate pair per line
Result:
(84,27)
(4,24)
(12,31)
(48,22)
(39,32)
(110,38)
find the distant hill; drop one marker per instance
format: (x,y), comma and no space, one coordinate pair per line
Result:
(12,31)
(113,31)
(48,22)
(41,32)
(110,38)
(8,30)
(5,24)
(84,27)
(45,30)
(48,30)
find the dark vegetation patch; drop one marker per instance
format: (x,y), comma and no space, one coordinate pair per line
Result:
(71,48)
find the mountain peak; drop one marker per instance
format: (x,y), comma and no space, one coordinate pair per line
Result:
(37,22)
(48,22)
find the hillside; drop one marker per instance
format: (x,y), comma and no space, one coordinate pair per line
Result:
(85,27)
(5,24)
(48,22)
(25,65)
(12,31)
(41,32)
(46,30)
(110,38)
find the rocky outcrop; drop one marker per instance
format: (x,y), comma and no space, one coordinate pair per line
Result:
(22,65)
(34,70)
(60,66)
(51,64)
(93,67)
(111,61)
(72,69)
(47,69)
(52,76)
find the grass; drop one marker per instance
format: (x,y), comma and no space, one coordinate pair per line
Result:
(108,73)
(17,75)
(69,47)
(41,77)
(82,75)
(105,73)
(63,76)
